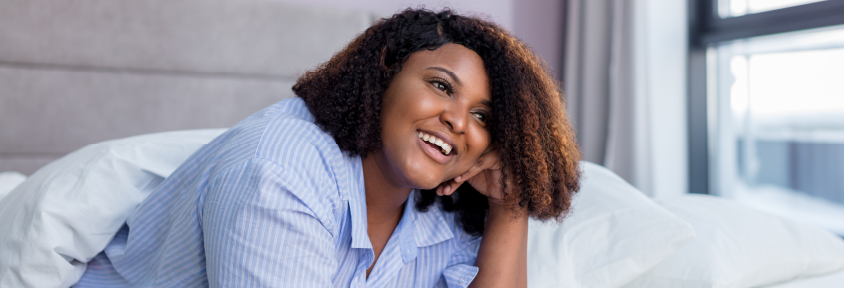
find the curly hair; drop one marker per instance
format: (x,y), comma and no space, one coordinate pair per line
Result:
(538,152)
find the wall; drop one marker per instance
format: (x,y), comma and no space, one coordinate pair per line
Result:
(540,24)
(537,22)
(72,74)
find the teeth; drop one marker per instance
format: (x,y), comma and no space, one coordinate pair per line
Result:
(436,141)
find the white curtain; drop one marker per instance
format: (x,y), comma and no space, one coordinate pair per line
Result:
(625,83)
(604,96)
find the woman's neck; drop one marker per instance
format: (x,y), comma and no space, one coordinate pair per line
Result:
(384,198)
(384,203)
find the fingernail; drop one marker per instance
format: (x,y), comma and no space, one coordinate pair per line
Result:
(458,178)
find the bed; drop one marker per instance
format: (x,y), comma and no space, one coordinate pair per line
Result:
(148,80)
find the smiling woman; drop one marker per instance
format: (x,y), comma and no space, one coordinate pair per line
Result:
(428,97)
(524,115)
(413,158)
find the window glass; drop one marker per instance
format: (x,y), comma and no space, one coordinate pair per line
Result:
(779,134)
(734,8)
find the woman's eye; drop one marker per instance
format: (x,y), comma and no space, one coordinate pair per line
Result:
(481,117)
(442,85)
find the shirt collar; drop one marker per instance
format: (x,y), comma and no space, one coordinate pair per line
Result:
(416,229)
(421,229)
(431,226)
(357,207)
(406,230)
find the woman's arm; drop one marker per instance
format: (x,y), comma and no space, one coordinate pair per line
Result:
(502,257)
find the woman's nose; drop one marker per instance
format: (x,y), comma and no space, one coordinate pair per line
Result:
(454,117)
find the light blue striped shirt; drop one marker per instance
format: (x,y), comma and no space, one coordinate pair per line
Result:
(273,202)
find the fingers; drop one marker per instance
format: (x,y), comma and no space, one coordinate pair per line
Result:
(447,188)
(487,161)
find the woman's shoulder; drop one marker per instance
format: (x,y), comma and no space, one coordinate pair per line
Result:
(292,139)
(283,146)
(283,139)
(284,134)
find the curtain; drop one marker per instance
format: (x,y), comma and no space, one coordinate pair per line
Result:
(606,102)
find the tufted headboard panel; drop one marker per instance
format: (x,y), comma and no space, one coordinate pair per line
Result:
(78,72)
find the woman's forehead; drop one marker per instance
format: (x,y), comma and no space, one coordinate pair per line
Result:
(455,55)
(464,63)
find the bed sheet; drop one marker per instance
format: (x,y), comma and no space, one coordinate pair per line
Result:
(833,280)
(9,180)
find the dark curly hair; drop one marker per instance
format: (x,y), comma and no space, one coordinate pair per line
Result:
(538,152)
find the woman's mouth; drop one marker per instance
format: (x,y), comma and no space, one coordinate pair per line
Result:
(438,143)
(435,147)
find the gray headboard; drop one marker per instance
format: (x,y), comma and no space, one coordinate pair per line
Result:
(79,72)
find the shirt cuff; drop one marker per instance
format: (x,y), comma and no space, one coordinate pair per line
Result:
(459,275)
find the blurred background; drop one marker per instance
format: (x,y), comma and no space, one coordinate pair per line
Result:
(767,106)
(738,98)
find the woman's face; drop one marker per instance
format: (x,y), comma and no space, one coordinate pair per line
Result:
(440,96)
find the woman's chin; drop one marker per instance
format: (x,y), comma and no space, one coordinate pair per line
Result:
(428,184)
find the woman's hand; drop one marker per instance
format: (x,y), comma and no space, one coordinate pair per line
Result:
(485,176)
(502,255)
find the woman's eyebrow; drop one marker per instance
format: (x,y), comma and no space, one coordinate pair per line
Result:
(446,71)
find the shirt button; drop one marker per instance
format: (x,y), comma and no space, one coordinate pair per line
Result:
(462,281)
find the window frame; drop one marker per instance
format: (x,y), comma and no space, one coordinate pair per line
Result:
(707,29)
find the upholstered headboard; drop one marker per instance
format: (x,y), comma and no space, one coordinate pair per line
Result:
(79,72)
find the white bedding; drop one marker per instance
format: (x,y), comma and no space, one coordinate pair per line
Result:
(66,213)
(9,180)
(740,247)
(832,280)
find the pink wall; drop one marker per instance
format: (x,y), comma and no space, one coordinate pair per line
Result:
(499,10)
(537,22)
(540,24)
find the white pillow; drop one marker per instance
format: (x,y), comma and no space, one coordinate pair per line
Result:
(740,247)
(613,234)
(9,180)
(68,211)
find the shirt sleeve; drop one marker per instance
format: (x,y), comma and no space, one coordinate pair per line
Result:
(461,269)
(261,230)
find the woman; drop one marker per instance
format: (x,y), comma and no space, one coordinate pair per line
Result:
(361,181)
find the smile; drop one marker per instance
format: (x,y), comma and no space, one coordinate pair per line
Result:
(442,153)
(445,148)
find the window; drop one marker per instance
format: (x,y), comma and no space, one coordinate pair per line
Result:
(735,8)
(780,127)
(771,121)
